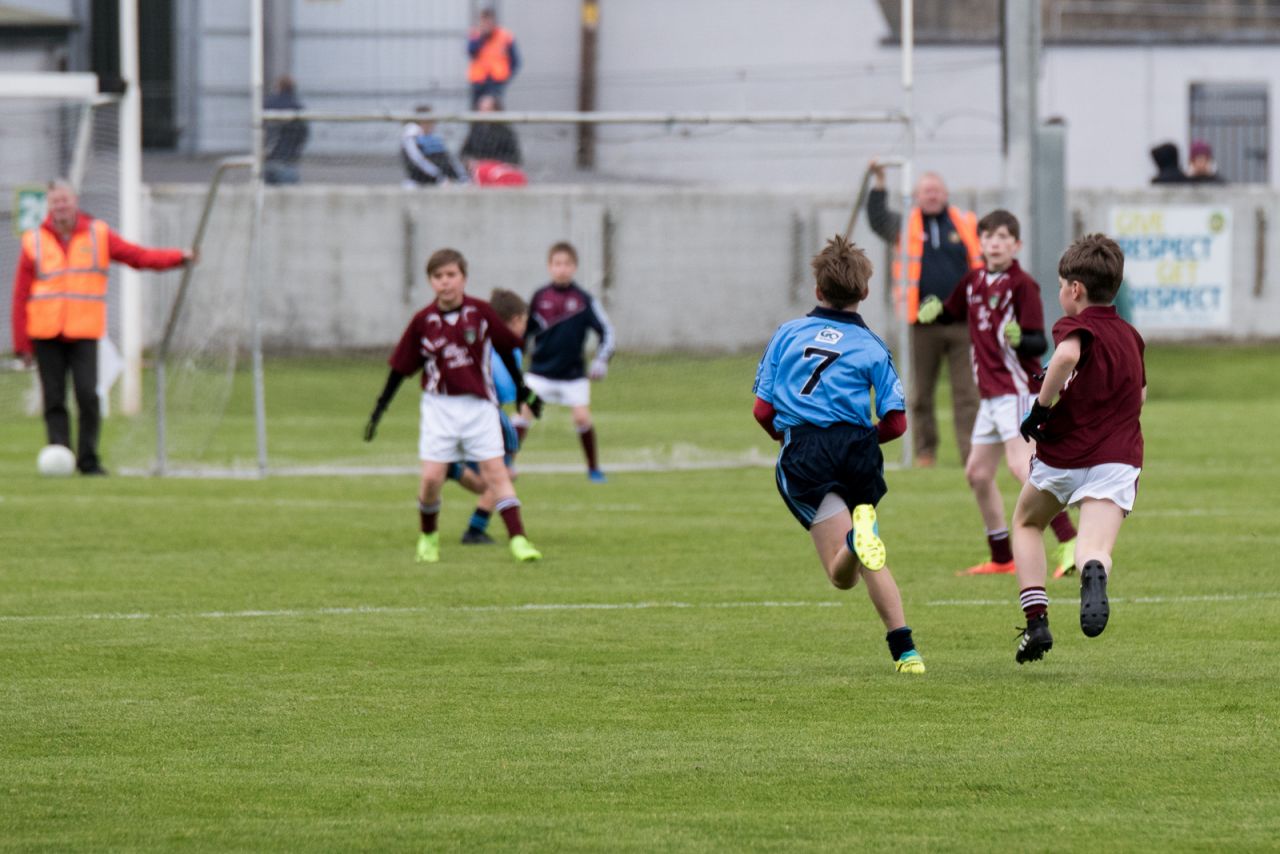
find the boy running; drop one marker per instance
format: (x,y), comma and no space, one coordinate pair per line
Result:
(1006,331)
(562,314)
(813,393)
(450,342)
(1088,443)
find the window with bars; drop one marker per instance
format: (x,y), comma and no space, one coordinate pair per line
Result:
(1233,118)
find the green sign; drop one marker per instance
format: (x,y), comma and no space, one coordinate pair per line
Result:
(28,208)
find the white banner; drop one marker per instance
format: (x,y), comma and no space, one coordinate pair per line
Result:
(1177,265)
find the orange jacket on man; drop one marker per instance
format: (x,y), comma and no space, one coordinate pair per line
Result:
(60,287)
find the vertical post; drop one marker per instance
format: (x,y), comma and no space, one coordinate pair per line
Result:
(277,40)
(1049,213)
(130,223)
(908,157)
(256,92)
(587,83)
(1020,47)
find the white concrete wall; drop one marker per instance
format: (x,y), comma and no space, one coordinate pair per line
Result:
(700,270)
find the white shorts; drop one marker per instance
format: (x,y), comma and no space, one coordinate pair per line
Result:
(560,392)
(1000,418)
(1114,482)
(458,427)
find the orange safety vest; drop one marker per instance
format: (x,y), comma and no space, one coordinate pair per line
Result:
(966,225)
(69,293)
(492,61)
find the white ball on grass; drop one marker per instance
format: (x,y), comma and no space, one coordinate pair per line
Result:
(56,461)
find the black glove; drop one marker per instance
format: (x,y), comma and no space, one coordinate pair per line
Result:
(1033,425)
(371,429)
(526,396)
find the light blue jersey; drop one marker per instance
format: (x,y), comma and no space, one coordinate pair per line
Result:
(502,380)
(820,369)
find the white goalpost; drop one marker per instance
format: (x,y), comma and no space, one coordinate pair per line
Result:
(57,124)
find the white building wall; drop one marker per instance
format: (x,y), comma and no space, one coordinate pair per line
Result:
(720,56)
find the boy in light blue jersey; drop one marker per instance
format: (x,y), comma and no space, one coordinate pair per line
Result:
(813,393)
(513,311)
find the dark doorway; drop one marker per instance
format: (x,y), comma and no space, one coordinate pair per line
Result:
(155,63)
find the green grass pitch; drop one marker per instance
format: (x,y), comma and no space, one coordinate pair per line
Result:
(259,665)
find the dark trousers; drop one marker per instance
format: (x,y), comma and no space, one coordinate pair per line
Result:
(54,358)
(931,345)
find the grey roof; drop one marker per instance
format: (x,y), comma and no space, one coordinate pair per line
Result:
(16,17)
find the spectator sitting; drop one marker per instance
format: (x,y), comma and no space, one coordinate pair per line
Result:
(1202,169)
(1168,171)
(427,160)
(491,141)
(284,141)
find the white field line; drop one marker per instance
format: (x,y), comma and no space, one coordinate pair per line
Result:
(534,607)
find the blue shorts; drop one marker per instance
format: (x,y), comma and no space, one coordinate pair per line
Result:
(510,445)
(814,461)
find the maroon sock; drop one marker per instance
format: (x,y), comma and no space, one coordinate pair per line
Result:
(1035,602)
(1062,527)
(588,439)
(1001,548)
(428,515)
(509,508)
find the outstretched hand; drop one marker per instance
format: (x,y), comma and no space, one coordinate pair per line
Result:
(930,310)
(371,429)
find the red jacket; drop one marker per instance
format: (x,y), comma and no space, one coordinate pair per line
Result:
(119,249)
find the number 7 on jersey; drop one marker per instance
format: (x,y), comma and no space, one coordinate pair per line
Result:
(828,357)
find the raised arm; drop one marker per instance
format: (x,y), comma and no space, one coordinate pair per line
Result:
(145,258)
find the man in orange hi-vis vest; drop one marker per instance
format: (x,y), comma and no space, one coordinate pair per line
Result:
(60,310)
(494,57)
(943,248)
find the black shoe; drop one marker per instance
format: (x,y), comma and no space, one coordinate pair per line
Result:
(472,537)
(1036,640)
(94,470)
(1094,609)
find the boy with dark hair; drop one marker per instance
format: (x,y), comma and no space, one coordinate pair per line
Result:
(813,393)
(1088,443)
(1006,333)
(514,311)
(561,315)
(450,342)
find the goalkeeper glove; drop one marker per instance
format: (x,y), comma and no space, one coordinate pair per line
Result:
(599,369)
(526,397)
(930,310)
(1032,428)
(371,429)
(1013,333)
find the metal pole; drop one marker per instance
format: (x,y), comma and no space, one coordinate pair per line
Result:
(908,157)
(130,223)
(256,92)
(175,312)
(587,83)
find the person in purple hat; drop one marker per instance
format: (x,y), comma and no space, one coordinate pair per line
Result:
(1201,169)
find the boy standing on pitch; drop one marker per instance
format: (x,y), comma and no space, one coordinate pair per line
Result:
(1006,333)
(813,393)
(561,315)
(450,342)
(1088,443)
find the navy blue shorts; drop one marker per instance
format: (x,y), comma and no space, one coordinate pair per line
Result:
(843,458)
(510,444)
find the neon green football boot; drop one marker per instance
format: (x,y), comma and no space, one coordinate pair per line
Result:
(429,548)
(910,662)
(865,540)
(523,550)
(1066,559)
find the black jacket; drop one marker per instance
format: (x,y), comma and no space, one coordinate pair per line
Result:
(1168,171)
(945,260)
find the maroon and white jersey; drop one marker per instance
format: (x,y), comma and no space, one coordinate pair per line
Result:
(1096,418)
(452,348)
(990,301)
